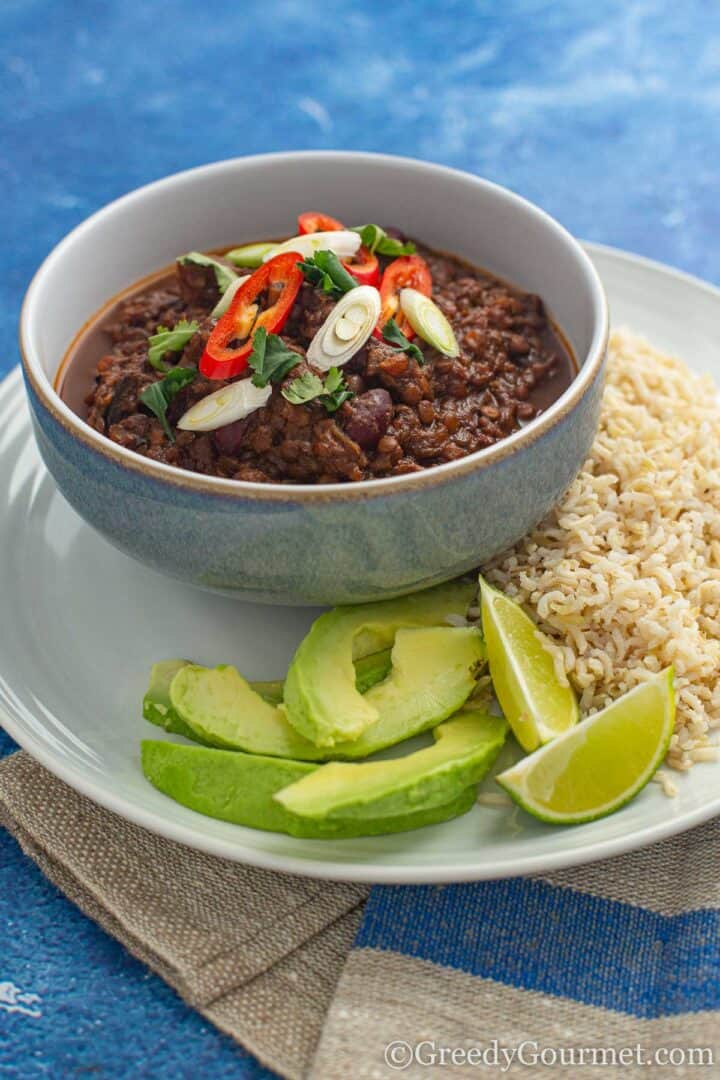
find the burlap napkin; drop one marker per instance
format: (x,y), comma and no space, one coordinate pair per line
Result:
(319,981)
(257,953)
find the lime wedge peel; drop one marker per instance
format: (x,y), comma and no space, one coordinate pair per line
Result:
(602,763)
(538,708)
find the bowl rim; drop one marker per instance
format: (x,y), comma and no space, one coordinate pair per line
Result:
(312,493)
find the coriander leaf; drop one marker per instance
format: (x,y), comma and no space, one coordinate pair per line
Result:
(325,270)
(306,387)
(309,387)
(176,379)
(394,335)
(154,399)
(158,395)
(391,247)
(270,358)
(370,235)
(223,274)
(377,240)
(315,276)
(336,390)
(165,341)
(334,380)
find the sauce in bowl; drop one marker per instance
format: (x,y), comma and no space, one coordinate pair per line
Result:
(395,412)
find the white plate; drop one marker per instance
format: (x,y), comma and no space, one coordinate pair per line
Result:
(82,624)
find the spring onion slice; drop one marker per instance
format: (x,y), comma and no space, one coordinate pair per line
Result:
(225,406)
(344,242)
(346,329)
(250,254)
(428,321)
(225,300)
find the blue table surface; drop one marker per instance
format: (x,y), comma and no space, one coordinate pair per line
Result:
(605,114)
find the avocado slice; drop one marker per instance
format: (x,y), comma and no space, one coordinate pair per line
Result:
(271,691)
(221,709)
(432,675)
(465,748)
(368,671)
(434,672)
(158,709)
(239,788)
(320,695)
(371,669)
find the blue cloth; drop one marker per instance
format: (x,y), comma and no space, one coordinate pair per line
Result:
(605,114)
(545,937)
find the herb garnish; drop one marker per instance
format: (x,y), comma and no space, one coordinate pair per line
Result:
(270,358)
(336,390)
(325,270)
(309,387)
(158,395)
(394,335)
(165,341)
(223,274)
(377,240)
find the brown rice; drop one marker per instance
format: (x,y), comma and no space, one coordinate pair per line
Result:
(624,574)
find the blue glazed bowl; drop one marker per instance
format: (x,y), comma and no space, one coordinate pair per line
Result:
(333,543)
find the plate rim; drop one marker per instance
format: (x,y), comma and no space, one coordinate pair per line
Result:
(367,872)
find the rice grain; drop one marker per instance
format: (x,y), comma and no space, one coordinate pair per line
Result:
(624,574)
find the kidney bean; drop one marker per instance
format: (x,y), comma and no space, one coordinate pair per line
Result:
(370,416)
(229,439)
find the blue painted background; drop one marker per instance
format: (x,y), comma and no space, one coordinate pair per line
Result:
(606,114)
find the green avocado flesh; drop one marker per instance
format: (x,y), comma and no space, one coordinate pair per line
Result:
(434,672)
(158,709)
(221,709)
(432,675)
(464,750)
(368,671)
(271,692)
(239,788)
(321,699)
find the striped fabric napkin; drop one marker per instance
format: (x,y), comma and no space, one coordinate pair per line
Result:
(612,966)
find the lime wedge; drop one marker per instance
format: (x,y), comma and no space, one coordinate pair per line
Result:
(537,707)
(602,763)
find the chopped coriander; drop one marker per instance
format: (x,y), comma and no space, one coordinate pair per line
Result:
(223,274)
(325,270)
(165,341)
(336,390)
(394,336)
(309,387)
(158,395)
(270,358)
(304,388)
(377,240)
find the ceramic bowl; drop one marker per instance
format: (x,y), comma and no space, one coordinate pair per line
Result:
(333,543)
